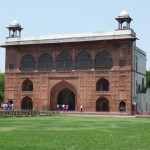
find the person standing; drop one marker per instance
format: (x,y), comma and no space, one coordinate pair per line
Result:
(81,108)
(57,107)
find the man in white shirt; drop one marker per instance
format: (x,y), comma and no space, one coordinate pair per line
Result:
(81,108)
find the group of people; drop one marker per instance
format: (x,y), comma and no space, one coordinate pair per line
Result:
(6,106)
(62,107)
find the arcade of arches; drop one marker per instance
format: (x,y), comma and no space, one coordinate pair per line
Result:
(64,93)
(64,61)
(92,69)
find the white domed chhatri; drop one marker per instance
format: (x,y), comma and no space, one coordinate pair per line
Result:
(15,23)
(14,29)
(123,14)
(124,18)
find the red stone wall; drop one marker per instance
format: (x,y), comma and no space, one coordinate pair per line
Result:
(46,85)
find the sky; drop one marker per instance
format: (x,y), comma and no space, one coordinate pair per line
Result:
(49,17)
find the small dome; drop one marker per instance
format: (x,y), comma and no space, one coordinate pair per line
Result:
(14,23)
(123,14)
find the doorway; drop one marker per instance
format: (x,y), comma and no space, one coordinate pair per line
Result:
(67,97)
(26,103)
(102,104)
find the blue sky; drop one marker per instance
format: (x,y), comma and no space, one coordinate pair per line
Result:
(45,17)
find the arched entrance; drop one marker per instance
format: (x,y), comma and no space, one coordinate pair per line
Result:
(102,104)
(26,103)
(66,97)
(122,106)
(63,93)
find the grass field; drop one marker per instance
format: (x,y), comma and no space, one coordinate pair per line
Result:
(74,133)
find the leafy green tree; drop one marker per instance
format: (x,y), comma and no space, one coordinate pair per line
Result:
(148,78)
(2,86)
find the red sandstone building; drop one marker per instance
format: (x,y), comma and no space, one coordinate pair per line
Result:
(92,69)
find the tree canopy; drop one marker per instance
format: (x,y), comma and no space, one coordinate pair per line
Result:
(2,75)
(148,78)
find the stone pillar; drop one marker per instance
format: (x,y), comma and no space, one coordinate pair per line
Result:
(93,59)
(73,59)
(119,25)
(54,59)
(36,60)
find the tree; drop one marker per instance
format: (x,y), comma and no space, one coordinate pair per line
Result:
(2,75)
(148,78)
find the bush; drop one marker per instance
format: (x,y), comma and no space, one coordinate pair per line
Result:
(148,78)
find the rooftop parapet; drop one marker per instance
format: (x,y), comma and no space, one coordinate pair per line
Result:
(78,37)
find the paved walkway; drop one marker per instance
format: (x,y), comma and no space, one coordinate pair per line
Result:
(105,114)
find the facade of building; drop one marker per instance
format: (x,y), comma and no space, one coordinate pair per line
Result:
(143,100)
(97,70)
(139,80)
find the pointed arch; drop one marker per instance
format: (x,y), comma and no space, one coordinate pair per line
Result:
(103,59)
(64,61)
(57,89)
(27,103)
(83,60)
(28,63)
(27,85)
(102,85)
(45,62)
(122,106)
(102,104)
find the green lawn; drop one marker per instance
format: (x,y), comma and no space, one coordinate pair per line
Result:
(74,133)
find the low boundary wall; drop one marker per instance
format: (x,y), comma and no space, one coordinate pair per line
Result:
(24,113)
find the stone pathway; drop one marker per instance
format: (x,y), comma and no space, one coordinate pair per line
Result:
(105,114)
